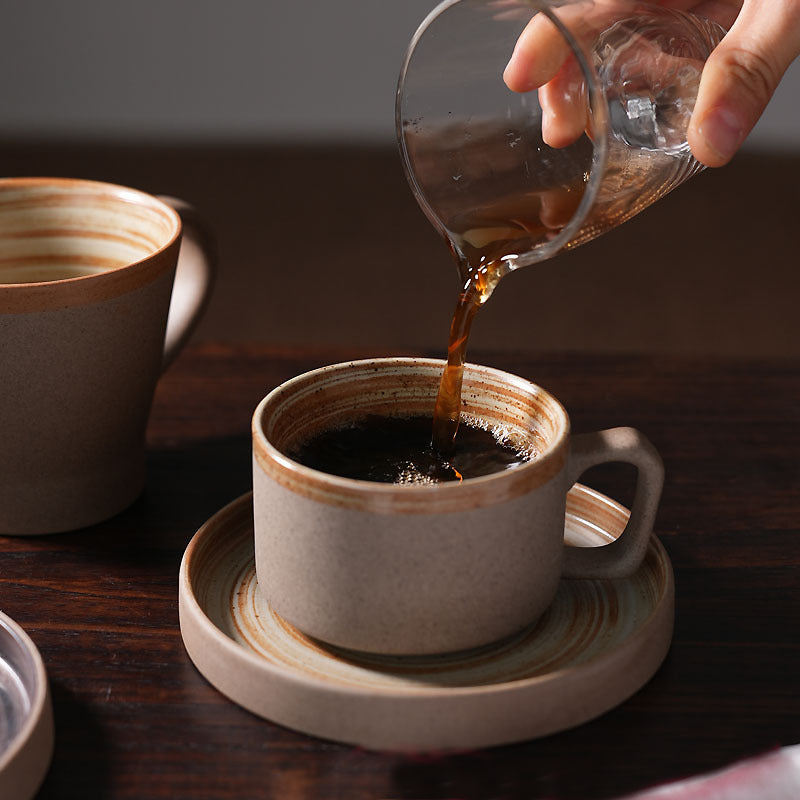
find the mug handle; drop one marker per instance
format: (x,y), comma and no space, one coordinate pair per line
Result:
(623,556)
(194,278)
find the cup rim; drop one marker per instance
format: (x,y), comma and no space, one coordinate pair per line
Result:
(337,490)
(70,291)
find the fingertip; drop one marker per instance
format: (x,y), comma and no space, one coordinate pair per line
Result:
(517,76)
(538,54)
(716,135)
(556,134)
(564,107)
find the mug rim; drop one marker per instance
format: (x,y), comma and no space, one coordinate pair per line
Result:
(47,295)
(355,493)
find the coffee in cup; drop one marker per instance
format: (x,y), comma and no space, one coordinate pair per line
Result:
(400,450)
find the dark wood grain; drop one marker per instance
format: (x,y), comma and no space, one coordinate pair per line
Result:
(327,244)
(136,720)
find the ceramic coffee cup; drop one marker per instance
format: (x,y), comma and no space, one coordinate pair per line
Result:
(86,277)
(400,569)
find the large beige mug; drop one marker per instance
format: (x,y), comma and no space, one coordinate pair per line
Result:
(86,278)
(404,569)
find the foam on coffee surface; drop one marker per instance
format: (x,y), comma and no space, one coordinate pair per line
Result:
(399,450)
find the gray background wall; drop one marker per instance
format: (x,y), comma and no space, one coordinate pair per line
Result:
(232,70)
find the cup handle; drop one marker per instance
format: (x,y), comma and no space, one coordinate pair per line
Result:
(623,556)
(194,278)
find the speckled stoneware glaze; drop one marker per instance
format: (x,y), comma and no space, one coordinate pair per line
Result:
(86,276)
(597,644)
(428,569)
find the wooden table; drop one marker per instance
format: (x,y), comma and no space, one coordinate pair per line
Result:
(134,719)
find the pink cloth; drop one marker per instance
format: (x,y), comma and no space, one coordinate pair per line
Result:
(773,776)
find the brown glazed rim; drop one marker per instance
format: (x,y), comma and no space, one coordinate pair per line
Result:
(389,498)
(86,289)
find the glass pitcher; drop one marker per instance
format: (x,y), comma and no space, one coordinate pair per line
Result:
(484,162)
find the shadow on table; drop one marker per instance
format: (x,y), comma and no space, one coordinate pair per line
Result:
(81,759)
(186,484)
(189,483)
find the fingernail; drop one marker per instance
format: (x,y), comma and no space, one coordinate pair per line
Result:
(722,131)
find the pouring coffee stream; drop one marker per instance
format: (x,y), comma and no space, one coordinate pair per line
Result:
(477,289)
(475,152)
(486,243)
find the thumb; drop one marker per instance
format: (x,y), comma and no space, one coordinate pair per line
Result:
(740,77)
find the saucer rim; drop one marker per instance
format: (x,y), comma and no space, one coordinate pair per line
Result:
(208,646)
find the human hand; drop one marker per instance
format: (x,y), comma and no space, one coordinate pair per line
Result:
(737,81)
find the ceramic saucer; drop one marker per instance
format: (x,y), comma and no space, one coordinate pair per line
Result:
(597,645)
(26,716)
